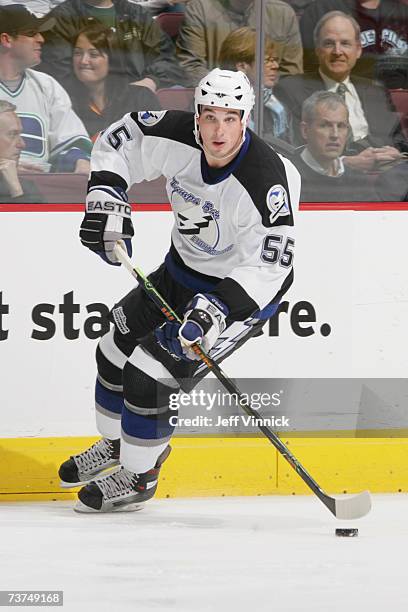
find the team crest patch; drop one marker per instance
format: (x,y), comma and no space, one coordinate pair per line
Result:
(150,118)
(277,202)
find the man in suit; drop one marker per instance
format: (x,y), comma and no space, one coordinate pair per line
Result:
(325,127)
(384,36)
(376,137)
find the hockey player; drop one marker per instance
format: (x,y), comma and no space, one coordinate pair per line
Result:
(230,261)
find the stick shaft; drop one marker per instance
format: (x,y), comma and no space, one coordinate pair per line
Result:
(230,386)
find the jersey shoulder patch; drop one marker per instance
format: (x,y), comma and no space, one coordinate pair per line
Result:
(277,201)
(150,118)
(264,177)
(168,124)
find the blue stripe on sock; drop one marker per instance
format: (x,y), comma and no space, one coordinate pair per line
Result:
(110,400)
(148,427)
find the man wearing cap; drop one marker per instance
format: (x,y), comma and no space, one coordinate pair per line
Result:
(55,138)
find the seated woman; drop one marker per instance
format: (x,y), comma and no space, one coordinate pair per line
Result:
(99,95)
(238,53)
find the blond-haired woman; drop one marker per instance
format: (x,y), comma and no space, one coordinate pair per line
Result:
(238,53)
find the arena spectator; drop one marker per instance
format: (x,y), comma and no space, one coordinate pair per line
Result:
(12,187)
(53,134)
(39,7)
(384,36)
(376,137)
(238,53)
(325,127)
(99,97)
(208,22)
(143,51)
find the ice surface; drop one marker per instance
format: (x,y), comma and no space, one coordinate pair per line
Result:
(221,554)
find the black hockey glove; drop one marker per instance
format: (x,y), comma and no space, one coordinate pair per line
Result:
(107,220)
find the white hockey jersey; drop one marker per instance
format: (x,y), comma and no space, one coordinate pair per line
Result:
(234,227)
(52,132)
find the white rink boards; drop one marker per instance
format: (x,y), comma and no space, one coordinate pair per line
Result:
(350,269)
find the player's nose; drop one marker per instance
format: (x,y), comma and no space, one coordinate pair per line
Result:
(219,128)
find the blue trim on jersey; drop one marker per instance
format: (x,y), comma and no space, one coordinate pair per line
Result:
(17,91)
(184,278)
(147,428)
(202,286)
(267,312)
(110,400)
(229,168)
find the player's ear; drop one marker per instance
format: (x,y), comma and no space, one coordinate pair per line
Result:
(304,130)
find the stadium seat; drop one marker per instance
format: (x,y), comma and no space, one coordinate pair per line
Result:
(170,23)
(176,98)
(399,98)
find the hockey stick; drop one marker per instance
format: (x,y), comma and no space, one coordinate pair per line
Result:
(352,507)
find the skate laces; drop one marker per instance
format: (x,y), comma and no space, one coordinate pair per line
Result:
(119,483)
(95,456)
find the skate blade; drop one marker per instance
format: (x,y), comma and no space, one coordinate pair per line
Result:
(83,509)
(73,485)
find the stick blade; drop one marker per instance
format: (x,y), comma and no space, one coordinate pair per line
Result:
(356,506)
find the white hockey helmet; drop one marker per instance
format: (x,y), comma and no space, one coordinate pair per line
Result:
(225,89)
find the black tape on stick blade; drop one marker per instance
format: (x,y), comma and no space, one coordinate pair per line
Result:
(347,533)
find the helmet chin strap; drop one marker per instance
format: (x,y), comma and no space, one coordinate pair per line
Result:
(206,151)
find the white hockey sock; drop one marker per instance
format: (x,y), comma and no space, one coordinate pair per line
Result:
(139,458)
(109,427)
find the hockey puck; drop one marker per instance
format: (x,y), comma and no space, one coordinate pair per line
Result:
(347,533)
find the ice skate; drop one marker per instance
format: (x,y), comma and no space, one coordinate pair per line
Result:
(81,469)
(121,490)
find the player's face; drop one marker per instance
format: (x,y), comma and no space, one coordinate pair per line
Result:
(221,134)
(337,49)
(326,135)
(26,49)
(90,64)
(11,143)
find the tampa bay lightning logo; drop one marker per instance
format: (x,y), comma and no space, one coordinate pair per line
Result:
(277,202)
(190,226)
(197,219)
(150,118)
